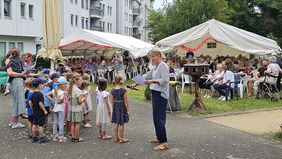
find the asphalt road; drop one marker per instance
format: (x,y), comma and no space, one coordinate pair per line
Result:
(189,137)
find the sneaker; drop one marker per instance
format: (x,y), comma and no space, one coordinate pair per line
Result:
(205,96)
(62,139)
(224,99)
(18,125)
(44,140)
(87,126)
(208,97)
(6,93)
(35,139)
(55,138)
(221,97)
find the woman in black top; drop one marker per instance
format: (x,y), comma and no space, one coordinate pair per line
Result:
(16,73)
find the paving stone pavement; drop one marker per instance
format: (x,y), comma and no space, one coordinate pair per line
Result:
(189,137)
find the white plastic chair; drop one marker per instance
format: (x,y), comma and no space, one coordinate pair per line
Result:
(243,85)
(129,72)
(186,79)
(135,71)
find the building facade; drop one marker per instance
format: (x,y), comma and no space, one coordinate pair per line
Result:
(21,20)
(20,25)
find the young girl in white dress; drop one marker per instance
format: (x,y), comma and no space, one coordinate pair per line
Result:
(103,111)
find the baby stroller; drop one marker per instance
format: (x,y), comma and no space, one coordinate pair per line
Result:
(269,91)
(3,81)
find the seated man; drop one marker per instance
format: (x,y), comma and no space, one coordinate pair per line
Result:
(228,77)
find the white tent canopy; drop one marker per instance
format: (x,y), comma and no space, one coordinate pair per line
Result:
(231,36)
(86,42)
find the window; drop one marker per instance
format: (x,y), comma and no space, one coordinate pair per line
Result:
(87,5)
(71,1)
(72,19)
(82,22)
(2,50)
(75,1)
(211,45)
(76,20)
(108,10)
(104,25)
(12,45)
(7,8)
(86,23)
(21,46)
(111,27)
(82,3)
(30,11)
(23,10)
(108,27)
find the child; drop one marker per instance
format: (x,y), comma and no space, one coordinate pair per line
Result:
(58,95)
(54,77)
(47,103)
(8,57)
(89,91)
(84,89)
(120,114)
(75,115)
(66,101)
(30,88)
(39,111)
(103,112)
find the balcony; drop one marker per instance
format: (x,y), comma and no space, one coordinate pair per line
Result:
(136,11)
(98,28)
(137,36)
(136,23)
(97,13)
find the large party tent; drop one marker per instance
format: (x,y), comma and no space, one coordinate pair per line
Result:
(216,38)
(87,42)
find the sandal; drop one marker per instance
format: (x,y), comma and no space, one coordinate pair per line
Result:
(73,139)
(116,139)
(161,147)
(155,141)
(106,137)
(79,139)
(123,140)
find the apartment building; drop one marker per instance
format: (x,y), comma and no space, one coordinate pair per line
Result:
(126,17)
(20,25)
(21,20)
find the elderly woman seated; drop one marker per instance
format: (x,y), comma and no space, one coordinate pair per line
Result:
(215,79)
(271,74)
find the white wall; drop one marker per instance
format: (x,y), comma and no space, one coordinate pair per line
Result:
(110,18)
(69,8)
(19,26)
(29,43)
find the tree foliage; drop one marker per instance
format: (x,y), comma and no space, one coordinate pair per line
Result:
(263,17)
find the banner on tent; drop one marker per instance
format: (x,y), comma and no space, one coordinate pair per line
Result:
(197,47)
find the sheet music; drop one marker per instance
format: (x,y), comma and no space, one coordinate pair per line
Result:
(139,79)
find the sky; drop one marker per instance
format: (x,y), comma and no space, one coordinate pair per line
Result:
(158,3)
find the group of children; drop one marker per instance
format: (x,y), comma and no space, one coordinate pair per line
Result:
(67,98)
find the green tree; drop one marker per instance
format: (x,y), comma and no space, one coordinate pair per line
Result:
(184,14)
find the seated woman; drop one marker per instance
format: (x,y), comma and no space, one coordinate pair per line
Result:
(273,71)
(259,76)
(215,79)
(171,70)
(271,74)
(228,77)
